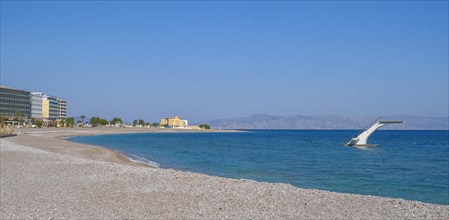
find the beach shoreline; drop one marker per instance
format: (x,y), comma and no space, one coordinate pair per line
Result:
(64,134)
(43,175)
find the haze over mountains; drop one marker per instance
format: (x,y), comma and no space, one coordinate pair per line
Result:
(265,121)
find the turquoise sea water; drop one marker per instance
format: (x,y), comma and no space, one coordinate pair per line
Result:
(408,164)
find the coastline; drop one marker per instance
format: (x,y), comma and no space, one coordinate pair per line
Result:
(84,181)
(96,152)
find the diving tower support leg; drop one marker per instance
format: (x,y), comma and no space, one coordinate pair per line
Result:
(362,139)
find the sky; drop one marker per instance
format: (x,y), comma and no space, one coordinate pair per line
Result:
(212,60)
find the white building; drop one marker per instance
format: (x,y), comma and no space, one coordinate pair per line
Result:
(36,104)
(62,104)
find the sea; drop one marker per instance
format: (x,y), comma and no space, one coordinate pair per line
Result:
(411,165)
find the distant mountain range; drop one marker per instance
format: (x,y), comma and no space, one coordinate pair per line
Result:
(264,121)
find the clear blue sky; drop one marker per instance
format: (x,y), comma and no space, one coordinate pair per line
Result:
(209,60)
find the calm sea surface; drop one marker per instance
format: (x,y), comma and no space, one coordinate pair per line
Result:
(408,164)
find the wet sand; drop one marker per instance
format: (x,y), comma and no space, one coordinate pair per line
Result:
(44,176)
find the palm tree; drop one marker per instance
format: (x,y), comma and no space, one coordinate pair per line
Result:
(82,118)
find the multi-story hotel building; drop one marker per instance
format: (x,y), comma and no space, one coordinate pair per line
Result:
(50,107)
(25,105)
(45,108)
(62,107)
(54,108)
(36,104)
(14,102)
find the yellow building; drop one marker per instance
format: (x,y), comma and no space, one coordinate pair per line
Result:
(164,122)
(174,122)
(45,108)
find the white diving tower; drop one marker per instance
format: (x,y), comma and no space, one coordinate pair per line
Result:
(360,141)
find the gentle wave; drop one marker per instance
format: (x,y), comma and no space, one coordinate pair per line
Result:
(137,159)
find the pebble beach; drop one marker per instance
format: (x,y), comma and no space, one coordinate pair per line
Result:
(45,176)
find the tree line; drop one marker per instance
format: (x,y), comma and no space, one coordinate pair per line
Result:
(204,126)
(96,121)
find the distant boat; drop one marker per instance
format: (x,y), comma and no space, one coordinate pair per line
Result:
(361,140)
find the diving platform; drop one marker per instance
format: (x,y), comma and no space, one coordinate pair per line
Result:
(362,139)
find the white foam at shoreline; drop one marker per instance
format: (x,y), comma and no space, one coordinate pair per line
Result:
(133,158)
(137,159)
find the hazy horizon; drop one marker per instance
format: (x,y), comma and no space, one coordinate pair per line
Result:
(214,60)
